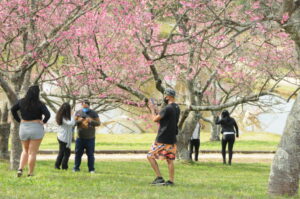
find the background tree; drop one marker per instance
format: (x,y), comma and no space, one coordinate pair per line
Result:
(207,42)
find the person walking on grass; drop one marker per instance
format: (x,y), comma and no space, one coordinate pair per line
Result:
(31,130)
(64,136)
(86,120)
(164,147)
(195,142)
(229,129)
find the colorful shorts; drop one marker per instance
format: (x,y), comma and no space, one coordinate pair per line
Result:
(163,151)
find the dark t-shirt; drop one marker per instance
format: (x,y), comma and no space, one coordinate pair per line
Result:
(35,113)
(228,125)
(168,128)
(86,130)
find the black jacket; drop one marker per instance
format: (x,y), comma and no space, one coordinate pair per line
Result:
(228,124)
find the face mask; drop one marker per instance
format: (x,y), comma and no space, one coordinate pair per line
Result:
(166,101)
(85,110)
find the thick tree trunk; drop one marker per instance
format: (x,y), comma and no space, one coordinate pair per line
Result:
(184,137)
(4,137)
(284,175)
(215,129)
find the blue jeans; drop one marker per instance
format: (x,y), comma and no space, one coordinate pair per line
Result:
(89,146)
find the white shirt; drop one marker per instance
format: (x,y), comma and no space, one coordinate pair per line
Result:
(65,132)
(196,132)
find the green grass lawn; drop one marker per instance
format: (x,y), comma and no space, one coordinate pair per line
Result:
(248,141)
(131,180)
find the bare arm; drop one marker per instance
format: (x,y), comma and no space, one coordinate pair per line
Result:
(218,120)
(236,129)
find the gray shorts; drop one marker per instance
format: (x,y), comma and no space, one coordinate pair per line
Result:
(31,131)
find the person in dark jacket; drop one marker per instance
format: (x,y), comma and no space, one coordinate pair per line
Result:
(229,129)
(31,130)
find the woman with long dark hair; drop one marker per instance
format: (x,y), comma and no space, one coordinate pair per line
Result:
(64,136)
(229,129)
(31,128)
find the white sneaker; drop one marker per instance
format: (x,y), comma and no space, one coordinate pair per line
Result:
(92,172)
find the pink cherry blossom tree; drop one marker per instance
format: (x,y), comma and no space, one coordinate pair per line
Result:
(208,42)
(30,36)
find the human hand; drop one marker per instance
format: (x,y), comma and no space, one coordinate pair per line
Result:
(79,119)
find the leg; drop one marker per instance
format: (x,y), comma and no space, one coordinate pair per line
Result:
(224,143)
(24,155)
(191,149)
(79,149)
(90,149)
(33,149)
(60,154)
(230,147)
(66,156)
(154,166)
(197,146)
(171,169)
(65,159)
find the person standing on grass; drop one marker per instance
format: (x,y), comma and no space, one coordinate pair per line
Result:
(64,137)
(195,141)
(164,146)
(31,130)
(86,121)
(229,129)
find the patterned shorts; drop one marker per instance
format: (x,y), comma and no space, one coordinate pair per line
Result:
(162,151)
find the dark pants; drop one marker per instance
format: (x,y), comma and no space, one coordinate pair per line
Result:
(229,138)
(89,146)
(63,155)
(194,143)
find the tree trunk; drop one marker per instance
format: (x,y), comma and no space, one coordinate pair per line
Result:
(284,175)
(215,132)
(4,137)
(184,137)
(215,129)
(4,132)
(16,147)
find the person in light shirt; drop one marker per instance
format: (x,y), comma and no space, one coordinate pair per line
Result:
(195,142)
(64,136)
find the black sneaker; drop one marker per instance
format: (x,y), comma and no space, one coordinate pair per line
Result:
(169,183)
(158,181)
(19,173)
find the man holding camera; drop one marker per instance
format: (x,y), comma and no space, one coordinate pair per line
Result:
(86,121)
(164,147)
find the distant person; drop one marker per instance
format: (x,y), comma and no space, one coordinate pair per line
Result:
(195,142)
(229,129)
(164,146)
(86,120)
(31,130)
(64,136)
